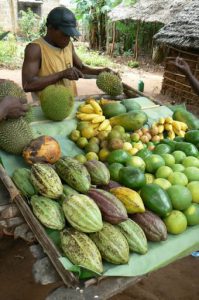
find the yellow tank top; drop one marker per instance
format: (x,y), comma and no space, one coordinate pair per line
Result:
(54,60)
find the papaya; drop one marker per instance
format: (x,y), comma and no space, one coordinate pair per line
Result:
(188,148)
(131,120)
(156,199)
(187,117)
(113,109)
(131,104)
(132,178)
(192,136)
(170,143)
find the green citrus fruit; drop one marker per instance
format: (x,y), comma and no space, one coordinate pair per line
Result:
(82,142)
(176,222)
(192,214)
(74,135)
(88,132)
(91,147)
(190,161)
(91,156)
(163,172)
(163,183)
(194,189)
(169,159)
(137,162)
(153,162)
(149,178)
(81,158)
(178,168)
(180,196)
(192,173)
(179,156)
(178,178)
(114,134)
(119,128)
(114,170)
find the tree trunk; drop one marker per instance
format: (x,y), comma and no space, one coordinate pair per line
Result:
(12,15)
(136,41)
(93,31)
(102,32)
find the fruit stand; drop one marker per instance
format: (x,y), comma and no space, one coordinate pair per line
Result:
(147,256)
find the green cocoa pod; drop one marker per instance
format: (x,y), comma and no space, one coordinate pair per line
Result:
(21,178)
(112,244)
(48,212)
(80,250)
(73,173)
(82,213)
(46,181)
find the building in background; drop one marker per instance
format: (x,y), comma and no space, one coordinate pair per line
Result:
(10,10)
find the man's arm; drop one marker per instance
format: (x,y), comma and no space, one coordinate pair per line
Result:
(30,70)
(185,69)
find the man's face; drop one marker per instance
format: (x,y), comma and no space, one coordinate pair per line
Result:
(59,39)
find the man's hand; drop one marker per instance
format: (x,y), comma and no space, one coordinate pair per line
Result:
(72,74)
(109,71)
(182,65)
(11,107)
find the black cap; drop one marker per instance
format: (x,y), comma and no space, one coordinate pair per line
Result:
(63,19)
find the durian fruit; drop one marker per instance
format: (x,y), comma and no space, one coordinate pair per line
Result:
(10,88)
(57,102)
(109,83)
(15,134)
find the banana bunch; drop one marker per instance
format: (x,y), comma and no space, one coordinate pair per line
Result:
(103,101)
(173,128)
(91,112)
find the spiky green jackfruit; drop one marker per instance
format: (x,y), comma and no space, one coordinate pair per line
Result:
(57,102)
(10,88)
(15,134)
(109,83)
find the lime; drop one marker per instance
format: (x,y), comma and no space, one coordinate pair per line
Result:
(192,214)
(113,134)
(153,162)
(88,132)
(127,146)
(81,158)
(192,173)
(119,128)
(119,155)
(178,168)
(91,156)
(103,154)
(82,142)
(133,151)
(190,161)
(74,135)
(91,147)
(163,172)
(102,135)
(169,159)
(176,222)
(94,140)
(82,125)
(194,189)
(149,178)
(178,178)
(114,170)
(179,156)
(180,196)
(137,162)
(135,137)
(163,183)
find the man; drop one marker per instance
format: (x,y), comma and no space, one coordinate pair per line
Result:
(52,59)
(185,69)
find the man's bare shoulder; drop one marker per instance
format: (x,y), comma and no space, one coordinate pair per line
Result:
(33,49)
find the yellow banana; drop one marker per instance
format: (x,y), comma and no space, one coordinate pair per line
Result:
(171,135)
(160,128)
(161,136)
(108,128)
(130,198)
(176,125)
(161,121)
(96,125)
(169,120)
(104,125)
(180,133)
(98,119)
(86,117)
(168,127)
(96,107)
(88,109)
(183,125)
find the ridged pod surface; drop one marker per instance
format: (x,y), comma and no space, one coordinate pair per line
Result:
(81,250)
(98,171)
(112,244)
(130,198)
(153,227)
(46,181)
(112,209)
(73,173)
(82,213)
(48,212)
(21,178)
(135,236)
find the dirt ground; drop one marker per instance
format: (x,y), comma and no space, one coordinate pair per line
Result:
(178,281)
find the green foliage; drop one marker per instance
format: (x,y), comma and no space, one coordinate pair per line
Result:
(93,58)
(29,24)
(133,64)
(11,53)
